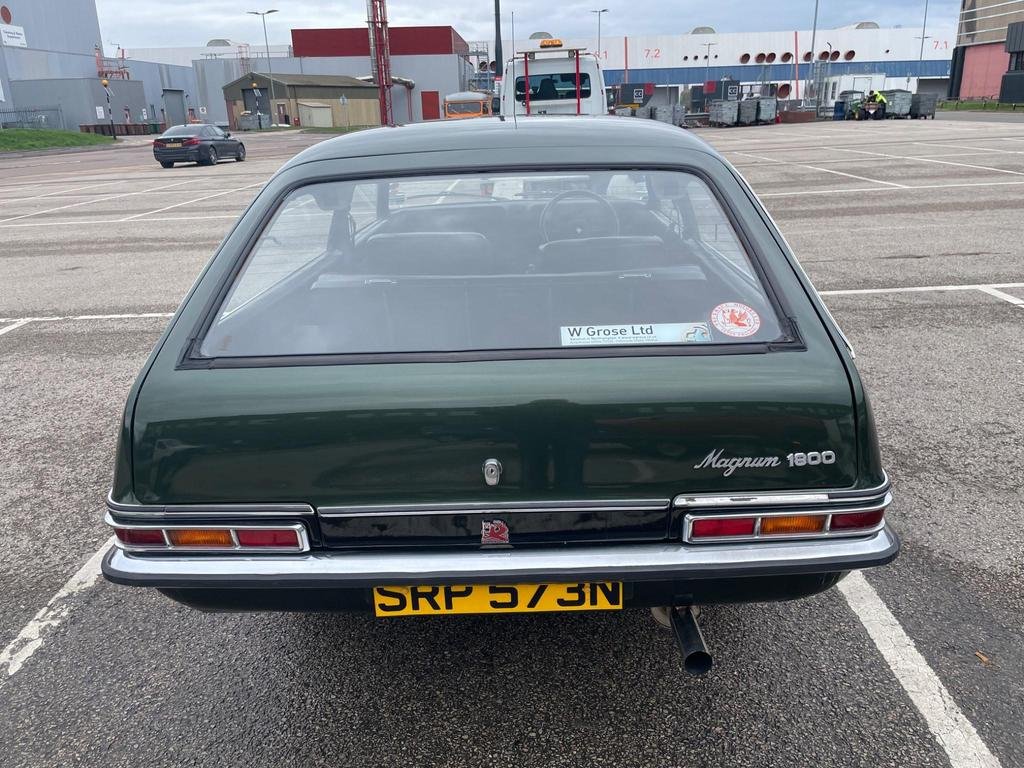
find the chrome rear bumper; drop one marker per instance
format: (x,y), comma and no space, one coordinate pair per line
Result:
(634,562)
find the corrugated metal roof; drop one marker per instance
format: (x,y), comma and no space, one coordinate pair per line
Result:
(330,81)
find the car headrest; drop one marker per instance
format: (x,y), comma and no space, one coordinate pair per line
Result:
(427,253)
(603,254)
(547,90)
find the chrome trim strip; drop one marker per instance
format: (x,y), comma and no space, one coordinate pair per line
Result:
(574,505)
(765,500)
(634,561)
(299,529)
(207,510)
(782,498)
(826,532)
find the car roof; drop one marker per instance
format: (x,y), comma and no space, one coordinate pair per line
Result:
(505,135)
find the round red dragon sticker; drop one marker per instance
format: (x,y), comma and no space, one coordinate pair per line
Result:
(735,319)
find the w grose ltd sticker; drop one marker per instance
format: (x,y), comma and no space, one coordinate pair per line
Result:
(640,333)
(735,319)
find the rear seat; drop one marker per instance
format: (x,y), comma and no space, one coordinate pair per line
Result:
(436,291)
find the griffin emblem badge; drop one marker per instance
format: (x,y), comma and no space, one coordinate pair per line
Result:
(493,532)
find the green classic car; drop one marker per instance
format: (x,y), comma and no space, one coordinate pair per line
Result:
(549,364)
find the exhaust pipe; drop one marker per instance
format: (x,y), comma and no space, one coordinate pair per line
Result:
(696,657)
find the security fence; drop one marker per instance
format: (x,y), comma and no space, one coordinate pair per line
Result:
(33,117)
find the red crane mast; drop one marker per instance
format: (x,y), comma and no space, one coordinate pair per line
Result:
(380,56)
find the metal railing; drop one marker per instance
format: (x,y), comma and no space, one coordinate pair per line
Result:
(33,117)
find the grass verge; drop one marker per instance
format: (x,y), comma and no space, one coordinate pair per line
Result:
(23,139)
(979,105)
(338,129)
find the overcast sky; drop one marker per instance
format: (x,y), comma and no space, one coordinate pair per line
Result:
(132,23)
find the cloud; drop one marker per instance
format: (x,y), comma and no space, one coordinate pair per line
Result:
(146,25)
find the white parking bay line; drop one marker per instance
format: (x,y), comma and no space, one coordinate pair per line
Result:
(15,324)
(33,635)
(20,321)
(951,729)
(928,160)
(91,201)
(906,188)
(991,291)
(921,289)
(823,170)
(189,202)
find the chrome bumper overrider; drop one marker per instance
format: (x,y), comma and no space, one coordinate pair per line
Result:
(634,562)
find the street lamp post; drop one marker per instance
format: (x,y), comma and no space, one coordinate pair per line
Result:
(259,116)
(814,56)
(599,12)
(828,72)
(920,57)
(266,42)
(106,87)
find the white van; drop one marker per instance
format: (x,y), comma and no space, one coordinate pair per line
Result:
(544,82)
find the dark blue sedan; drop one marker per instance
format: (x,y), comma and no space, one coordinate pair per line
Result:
(203,144)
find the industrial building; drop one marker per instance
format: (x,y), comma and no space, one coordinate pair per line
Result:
(313,101)
(52,65)
(859,56)
(50,56)
(426,63)
(982,57)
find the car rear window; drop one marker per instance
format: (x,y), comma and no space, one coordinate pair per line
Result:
(514,261)
(464,107)
(548,87)
(182,130)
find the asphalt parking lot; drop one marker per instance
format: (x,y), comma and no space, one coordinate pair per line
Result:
(911,230)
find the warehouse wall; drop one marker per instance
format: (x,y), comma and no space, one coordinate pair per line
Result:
(25,65)
(78,98)
(984,67)
(57,25)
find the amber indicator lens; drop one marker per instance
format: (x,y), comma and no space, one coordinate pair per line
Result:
(856,520)
(792,524)
(270,537)
(141,537)
(734,526)
(200,537)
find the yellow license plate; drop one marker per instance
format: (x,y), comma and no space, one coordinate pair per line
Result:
(497,598)
(173,146)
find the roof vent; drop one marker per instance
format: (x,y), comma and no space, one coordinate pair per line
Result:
(219,42)
(867,25)
(541,36)
(703,31)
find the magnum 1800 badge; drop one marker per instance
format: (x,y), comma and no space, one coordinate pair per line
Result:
(714,460)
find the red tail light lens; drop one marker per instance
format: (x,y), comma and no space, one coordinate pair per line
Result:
(268,537)
(190,142)
(856,520)
(141,537)
(733,526)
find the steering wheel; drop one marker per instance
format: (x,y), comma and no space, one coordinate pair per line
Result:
(601,221)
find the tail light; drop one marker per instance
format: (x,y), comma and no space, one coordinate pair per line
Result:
(790,524)
(268,537)
(141,537)
(281,538)
(157,143)
(201,537)
(815,524)
(855,520)
(723,526)
(190,142)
